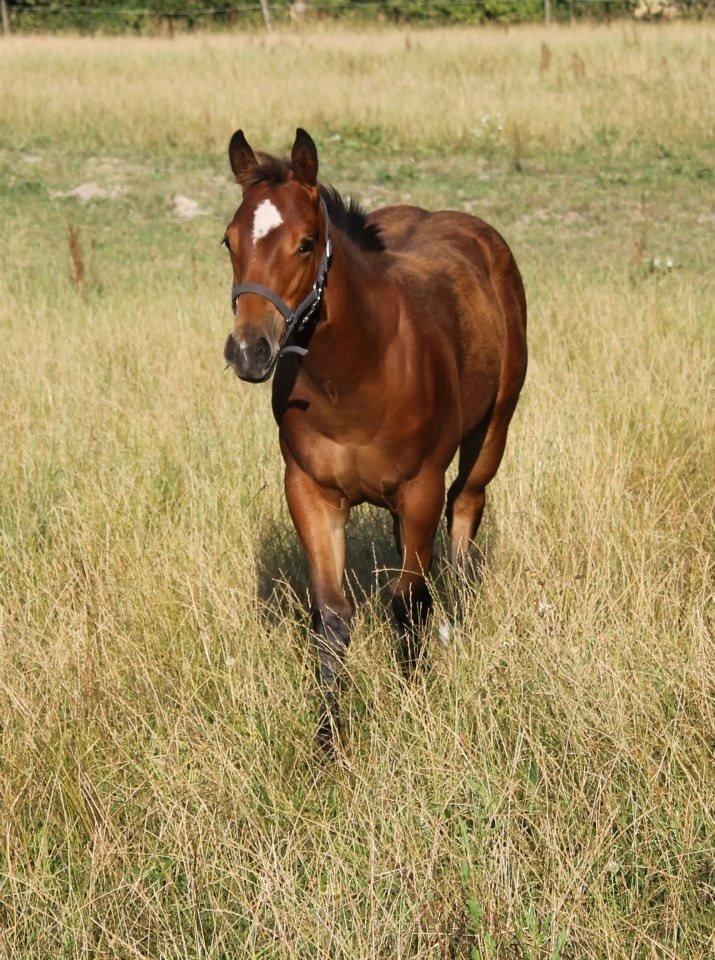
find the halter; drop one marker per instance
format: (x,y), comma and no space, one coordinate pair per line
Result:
(296,320)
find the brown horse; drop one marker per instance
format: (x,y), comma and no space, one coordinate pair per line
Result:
(397,339)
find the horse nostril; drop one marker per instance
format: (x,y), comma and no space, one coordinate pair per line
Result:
(229,349)
(263,351)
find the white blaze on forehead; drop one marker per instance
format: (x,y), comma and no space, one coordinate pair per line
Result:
(265,219)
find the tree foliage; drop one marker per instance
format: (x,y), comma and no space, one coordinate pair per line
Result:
(153,15)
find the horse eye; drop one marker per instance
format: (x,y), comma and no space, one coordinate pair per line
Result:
(226,243)
(306,245)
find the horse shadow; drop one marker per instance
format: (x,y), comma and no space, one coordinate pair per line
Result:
(283,575)
(283,579)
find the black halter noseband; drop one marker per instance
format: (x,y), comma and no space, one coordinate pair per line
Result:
(296,320)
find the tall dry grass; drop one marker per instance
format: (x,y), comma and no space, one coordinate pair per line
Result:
(545,789)
(636,87)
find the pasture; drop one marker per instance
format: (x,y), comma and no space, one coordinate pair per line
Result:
(545,789)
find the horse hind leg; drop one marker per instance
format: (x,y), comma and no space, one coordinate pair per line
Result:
(466,497)
(480,454)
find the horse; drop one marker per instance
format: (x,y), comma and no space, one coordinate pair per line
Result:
(396,340)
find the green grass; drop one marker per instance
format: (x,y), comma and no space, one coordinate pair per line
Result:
(545,789)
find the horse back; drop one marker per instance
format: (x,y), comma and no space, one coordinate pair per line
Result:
(459,275)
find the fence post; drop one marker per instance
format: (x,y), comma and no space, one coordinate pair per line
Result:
(547,12)
(5,18)
(265,10)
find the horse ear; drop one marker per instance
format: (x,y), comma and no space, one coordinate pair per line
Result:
(241,157)
(304,157)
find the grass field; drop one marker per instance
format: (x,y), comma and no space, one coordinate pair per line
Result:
(545,790)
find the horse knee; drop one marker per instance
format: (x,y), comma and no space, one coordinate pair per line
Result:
(411,608)
(331,633)
(331,630)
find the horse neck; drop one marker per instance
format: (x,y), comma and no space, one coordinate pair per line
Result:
(351,330)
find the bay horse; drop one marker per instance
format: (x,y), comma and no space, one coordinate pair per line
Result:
(397,339)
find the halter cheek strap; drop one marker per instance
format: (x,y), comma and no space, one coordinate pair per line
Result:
(296,320)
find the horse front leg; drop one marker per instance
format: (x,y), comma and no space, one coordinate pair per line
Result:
(320,517)
(420,509)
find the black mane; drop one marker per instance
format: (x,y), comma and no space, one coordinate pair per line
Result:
(345,215)
(349,217)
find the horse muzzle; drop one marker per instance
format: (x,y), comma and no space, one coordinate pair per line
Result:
(253,360)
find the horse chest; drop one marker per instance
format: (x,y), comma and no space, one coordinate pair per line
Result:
(366,446)
(362,471)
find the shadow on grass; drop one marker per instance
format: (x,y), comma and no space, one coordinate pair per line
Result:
(283,575)
(372,563)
